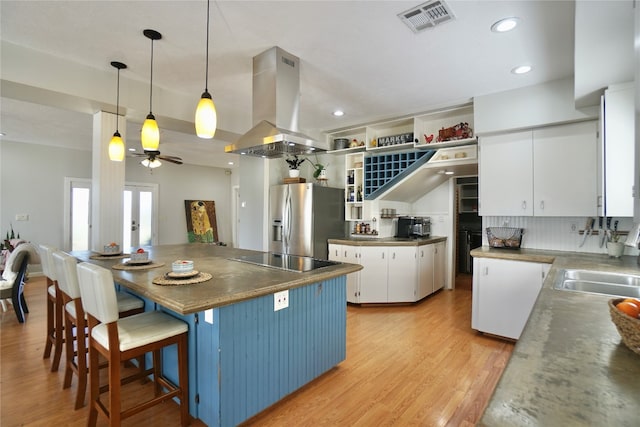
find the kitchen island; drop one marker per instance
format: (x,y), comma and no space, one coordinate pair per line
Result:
(569,367)
(243,355)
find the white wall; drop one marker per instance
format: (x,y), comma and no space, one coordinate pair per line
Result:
(532,106)
(32,182)
(177,183)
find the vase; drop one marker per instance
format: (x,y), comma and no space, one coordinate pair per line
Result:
(294,173)
(615,249)
(323,174)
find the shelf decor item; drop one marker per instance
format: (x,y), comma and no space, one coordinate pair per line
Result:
(403,138)
(458,131)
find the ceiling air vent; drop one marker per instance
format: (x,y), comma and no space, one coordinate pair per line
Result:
(427,15)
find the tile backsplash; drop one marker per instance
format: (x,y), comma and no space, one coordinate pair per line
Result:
(556,233)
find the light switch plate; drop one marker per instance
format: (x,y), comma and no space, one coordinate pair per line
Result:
(280,300)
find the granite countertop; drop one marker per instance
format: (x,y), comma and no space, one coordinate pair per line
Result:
(569,367)
(232,281)
(387,241)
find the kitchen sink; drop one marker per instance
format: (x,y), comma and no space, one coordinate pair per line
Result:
(598,282)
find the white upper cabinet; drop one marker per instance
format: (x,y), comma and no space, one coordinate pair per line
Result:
(543,172)
(565,170)
(505,172)
(617,119)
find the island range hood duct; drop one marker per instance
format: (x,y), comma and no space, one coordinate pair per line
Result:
(276,99)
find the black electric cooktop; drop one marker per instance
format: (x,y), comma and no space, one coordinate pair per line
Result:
(285,262)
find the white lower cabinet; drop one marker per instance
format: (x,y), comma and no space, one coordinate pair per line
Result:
(504,293)
(350,254)
(402,274)
(392,273)
(425,270)
(439,262)
(373,276)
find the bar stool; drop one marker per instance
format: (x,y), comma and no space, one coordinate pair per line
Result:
(123,339)
(54,309)
(74,317)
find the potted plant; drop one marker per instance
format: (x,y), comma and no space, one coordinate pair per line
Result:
(615,248)
(294,163)
(319,170)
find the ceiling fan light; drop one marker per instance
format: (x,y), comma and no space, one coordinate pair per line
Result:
(206,117)
(116,148)
(152,164)
(150,134)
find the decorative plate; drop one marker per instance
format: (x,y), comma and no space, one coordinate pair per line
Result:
(182,275)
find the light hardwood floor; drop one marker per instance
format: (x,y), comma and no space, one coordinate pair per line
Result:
(415,365)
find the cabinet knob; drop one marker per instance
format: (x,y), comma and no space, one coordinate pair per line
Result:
(542,204)
(524,204)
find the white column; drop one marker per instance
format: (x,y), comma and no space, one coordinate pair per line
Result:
(107,183)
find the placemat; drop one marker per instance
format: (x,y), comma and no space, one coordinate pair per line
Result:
(164,281)
(101,257)
(129,267)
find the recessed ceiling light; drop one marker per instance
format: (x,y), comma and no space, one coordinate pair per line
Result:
(230,163)
(506,24)
(338,113)
(522,69)
(132,149)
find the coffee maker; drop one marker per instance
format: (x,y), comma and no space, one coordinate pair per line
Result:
(413,227)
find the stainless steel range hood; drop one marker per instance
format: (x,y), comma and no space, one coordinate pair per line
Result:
(276,99)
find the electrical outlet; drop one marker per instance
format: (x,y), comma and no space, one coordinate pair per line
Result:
(574,228)
(22,217)
(280,300)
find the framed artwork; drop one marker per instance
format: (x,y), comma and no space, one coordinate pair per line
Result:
(201,221)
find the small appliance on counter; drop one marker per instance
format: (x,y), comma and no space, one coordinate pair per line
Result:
(413,227)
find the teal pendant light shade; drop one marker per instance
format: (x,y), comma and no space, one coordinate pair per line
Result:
(116,145)
(150,134)
(206,115)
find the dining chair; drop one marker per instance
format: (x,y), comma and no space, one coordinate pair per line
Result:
(75,319)
(54,309)
(122,339)
(13,277)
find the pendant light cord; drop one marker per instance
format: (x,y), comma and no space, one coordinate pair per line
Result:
(151,79)
(118,102)
(206,77)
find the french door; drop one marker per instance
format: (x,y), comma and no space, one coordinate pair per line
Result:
(77,228)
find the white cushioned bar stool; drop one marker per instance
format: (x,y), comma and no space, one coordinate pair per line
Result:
(74,318)
(122,339)
(54,308)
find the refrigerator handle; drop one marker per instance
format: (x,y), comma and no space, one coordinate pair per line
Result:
(286,226)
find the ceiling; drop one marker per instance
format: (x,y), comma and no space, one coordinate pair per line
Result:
(357,56)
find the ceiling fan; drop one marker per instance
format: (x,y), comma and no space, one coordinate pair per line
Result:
(153,157)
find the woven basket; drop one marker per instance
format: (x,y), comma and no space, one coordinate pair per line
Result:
(628,327)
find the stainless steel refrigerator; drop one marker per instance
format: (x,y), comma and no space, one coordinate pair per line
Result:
(303,217)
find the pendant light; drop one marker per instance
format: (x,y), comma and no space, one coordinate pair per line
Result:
(116,145)
(150,134)
(206,116)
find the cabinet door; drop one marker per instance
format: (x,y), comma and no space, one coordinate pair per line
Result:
(373,276)
(350,254)
(619,149)
(504,293)
(439,260)
(565,170)
(402,276)
(505,170)
(425,268)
